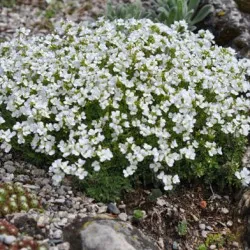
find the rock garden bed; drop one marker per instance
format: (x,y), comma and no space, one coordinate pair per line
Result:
(191,217)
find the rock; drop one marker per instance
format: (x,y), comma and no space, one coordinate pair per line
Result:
(9,167)
(9,239)
(204,233)
(123,216)
(229,223)
(224,210)
(64,246)
(244,5)
(105,234)
(102,209)
(162,202)
(59,201)
(202,226)
(38,172)
(22,178)
(122,206)
(8,178)
(62,222)
(112,208)
(230,26)
(175,245)
(182,210)
(43,221)
(57,234)
(212,247)
(71,216)
(2,171)
(2,237)
(235,244)
(62,214)
(195,217)
(32,187)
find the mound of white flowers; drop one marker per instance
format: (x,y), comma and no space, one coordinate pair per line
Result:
(145,91)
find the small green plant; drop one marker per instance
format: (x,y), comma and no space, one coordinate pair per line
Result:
(125,11)
(105,186)
(156,193)
(164,11)
(182,228)
(7,3)
(138,214)
(202,247)
(169,11)
(215,239)
(15,198)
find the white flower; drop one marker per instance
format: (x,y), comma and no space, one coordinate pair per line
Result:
(96,166)
(175,179)
(89,92)
(105,155)
(244,176)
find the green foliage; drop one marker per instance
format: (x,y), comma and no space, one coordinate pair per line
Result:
(7,3)
(182,228)
(15,198)
(125,11)
(164,11)
(169,11)
(105,186)
(227,164)
(156,193)
(215,239)
(202,247)
(138,214)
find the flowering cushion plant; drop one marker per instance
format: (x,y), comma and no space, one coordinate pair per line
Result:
(133,91)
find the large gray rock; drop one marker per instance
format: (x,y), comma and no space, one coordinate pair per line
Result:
(106,234)
(230,26)
(244,5)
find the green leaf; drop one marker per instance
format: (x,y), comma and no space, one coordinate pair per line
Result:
(189,16)
(179,6)
(164,11)
(172,16)
(204,11)
(193,5)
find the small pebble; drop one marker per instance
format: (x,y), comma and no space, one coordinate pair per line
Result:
(235,244)
(202,226)
(182,210)
(57,234)
(64,246)
(195,218)
(224,210)
(212,247)
(204,233)
(102,209)
(175,245)
(112,208)
(229,223)
(123,216)
(9,239)
(9,167)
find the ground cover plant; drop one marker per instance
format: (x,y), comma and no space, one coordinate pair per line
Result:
(126,96)
(163,11)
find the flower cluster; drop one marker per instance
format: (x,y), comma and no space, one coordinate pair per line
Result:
(244,176)
(150,92)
